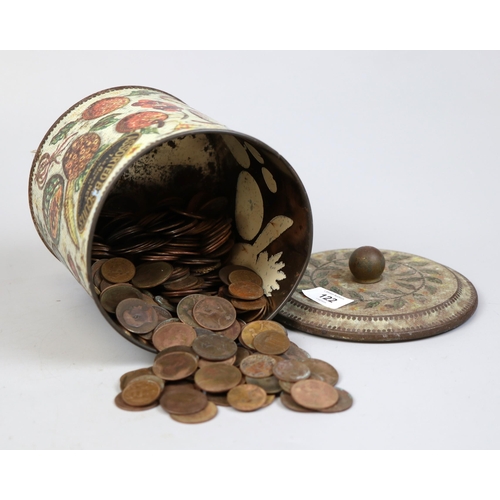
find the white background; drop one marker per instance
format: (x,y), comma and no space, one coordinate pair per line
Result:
(397,150)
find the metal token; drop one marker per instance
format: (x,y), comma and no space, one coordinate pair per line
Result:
(291,370)
(245,290)
(214,347)
(124,406)
(175,365)
(183,401)
(141,392)
(136,316)
(257,366)
(247,397)
(152,274)
(209,412)
(217,378)
(112,296)
(214,313)
(118,270)
(314,394)
(271,342)
(344,402)
(172,334)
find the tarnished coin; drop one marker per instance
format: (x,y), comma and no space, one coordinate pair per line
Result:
(124,406)
(344,402)
(217,378)
(247,397)
(251,330)
(185,308)
(244,275)
(162,313)
(209,412)
(162,302)
(175,365)
(113,295)
(205,362)
(171,334)
(295,352)
(286,386)
(141,392)
(225,271)
(291,370)
(291,404)
(214,313)
(118,270)
(136,316)
(241,354)
(151,274)
(321,370)
(257,366)
(127,377)
(203,331)
(183,401)
(233,332)
(269,399)
(219,398)
(314,394)
(271,342)
(270,384)
(245,290)
(249,305)
(214,347)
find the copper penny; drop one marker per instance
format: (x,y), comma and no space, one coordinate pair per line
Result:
(344,402)
(185,308)
(295,352)
(247,397)
(251,330)
(127,377)
(209,412)
(233,332)
(321,370)
(141,392)
(291,404)
(183,401)
(269,400)
(219,398)
(162,313)
(271,342)
(171,334)
(286,386)
(151,274)
(291,370)
(270,384)
(118,270)
(241,354)
(136,316)
(245,275)
(217,378)
(257,366)
(245,290)
(112,296)
(214,313)
(124,406)
(214,347)
(225,271)
(249,305)
(205,362)
(175,365)
(314,394)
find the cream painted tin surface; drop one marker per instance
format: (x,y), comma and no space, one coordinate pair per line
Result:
(136,138)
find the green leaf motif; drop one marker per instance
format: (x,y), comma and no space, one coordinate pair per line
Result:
(63,132)
(420,264)
(399,303)
(331,257)
(356,296)
(369,305)
(434,280)
(150,130)
(393,266)
(408,286)
(431,271)
(394,291)
(314,262)
(323,283)
(141,92)
(412,279)
(321,274)
(420,297)
(336,290)
(105,122)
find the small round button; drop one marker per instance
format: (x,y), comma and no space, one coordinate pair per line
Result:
(367,264)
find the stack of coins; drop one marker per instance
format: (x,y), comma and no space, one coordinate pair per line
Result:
(199,368)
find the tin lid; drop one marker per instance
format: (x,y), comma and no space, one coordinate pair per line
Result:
(416,298)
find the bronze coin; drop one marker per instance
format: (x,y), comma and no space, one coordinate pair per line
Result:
(171,334)
(314,394)
(214,347)
(214,313)
(141,392)
(118,270)
(112,296)
(162,302)
(321,370)
(151,274)
(217,378)
(247,397)
(257,366)
(136,316)
(269,384)
(205,362)
(162,313)
(178,348)
(183,401)
(233,332)
(175,365)
(181,284)
(124,406)
(249,305)
(291,404)
(269,400)
(127,377)
(204,331)
(295,352)
(245,290)
(251,330)
(244,275)
(344,402)
(291,370)
(225,271)
(241,354)
(271,342)
(286,386)
(209,412)
(149,300)
(219,398)
(185,308)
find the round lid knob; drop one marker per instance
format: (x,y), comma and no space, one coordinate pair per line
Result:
(367,264)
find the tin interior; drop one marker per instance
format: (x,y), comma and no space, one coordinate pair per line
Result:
(187,164)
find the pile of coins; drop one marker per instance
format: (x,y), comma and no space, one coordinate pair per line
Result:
(245,367)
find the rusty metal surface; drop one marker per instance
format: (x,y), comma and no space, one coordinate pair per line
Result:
(416,298)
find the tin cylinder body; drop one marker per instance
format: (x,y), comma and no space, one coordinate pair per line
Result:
(143,143)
